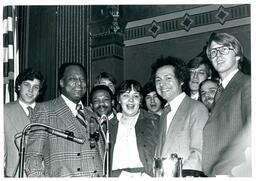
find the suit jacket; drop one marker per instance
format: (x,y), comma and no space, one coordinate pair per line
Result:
(147,132)
(230,114)
(52,156)
(15,119)
(184,135)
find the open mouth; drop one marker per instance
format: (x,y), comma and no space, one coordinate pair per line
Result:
(130,106)
(153,105)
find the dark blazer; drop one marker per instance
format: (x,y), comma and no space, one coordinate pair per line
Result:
(147,131)
(231,113)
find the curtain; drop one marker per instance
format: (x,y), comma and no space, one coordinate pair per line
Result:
(10,58)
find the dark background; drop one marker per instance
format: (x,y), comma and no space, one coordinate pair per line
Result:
(52,35)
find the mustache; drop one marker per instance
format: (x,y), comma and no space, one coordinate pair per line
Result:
(102,106)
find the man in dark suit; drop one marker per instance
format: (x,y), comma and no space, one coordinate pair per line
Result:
(232,110)
(54,156)
(181,127)
(29,86)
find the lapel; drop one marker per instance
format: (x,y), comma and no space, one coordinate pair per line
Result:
(177,121)
(227,93)
(113,127)
(176,124)
(20,117)
(139,135)
(162,137)
(66,116)
(232,86)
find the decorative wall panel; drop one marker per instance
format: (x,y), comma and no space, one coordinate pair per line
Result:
(192,21)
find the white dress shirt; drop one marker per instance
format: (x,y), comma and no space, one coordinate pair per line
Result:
(24,106)
(175,103)
(125,154)
(71,105)
(225,81)
(195,96)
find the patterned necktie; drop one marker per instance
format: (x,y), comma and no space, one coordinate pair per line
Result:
(218,92)
(30,110)
(80,115)
(104,126)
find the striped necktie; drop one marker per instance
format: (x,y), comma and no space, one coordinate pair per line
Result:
(80,115)
(30,111)
(218,92)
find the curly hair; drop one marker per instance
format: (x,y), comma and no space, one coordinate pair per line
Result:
(180,69)
(30,74)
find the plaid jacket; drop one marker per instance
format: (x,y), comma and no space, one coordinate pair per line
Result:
(52,156)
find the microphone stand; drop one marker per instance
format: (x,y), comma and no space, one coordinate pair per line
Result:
(106,171)
(107,149)
(65,134)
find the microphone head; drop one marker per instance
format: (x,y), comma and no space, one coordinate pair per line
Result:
(103,118)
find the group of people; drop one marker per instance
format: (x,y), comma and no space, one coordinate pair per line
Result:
(184,109)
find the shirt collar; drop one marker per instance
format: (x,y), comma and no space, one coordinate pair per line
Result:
(132,120)
(195,96)
(111,116)
(225,81)
(175,103)
(71,105)
(24,105)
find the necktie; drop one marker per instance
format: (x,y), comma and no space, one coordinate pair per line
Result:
(163,117)
(163,122)
(80,115)
(104,126)
(218,92)
(30,110)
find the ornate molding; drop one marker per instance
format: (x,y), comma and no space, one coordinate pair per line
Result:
(184,23)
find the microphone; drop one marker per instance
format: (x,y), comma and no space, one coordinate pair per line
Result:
(92,133)
(103,118)
(67,135)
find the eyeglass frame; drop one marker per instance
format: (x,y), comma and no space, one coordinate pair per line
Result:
(218,50)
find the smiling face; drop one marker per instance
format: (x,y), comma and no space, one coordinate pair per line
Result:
(130,102)
(73,84)
(101,103)
(207,93)
(197,75)
(167,85)
(29,90)
(224,64)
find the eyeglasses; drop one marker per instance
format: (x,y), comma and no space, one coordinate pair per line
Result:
(198,72)
(223,50)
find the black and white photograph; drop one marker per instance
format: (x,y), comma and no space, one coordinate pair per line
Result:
(127,89)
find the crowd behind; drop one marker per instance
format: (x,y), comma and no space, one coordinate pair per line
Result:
(200,111)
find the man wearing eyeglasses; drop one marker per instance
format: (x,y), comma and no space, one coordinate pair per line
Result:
(199,69)
(232,110)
